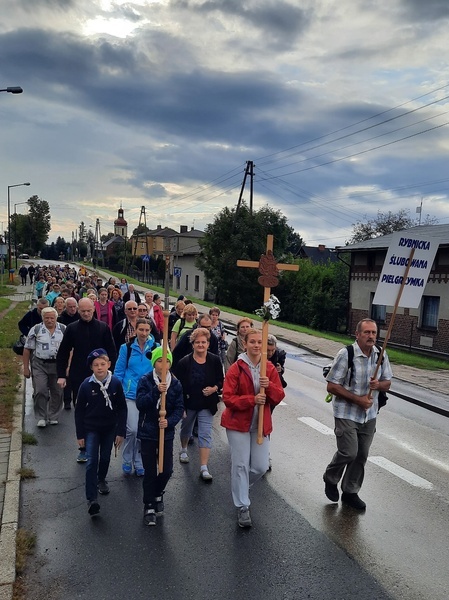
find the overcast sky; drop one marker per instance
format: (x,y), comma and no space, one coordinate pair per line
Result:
(341,104)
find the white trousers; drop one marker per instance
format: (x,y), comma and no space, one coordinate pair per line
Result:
(249,462)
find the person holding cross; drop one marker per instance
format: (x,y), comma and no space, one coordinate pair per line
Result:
(148,399)
(243,400)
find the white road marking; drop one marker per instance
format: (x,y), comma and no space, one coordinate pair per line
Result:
(380,461)
(316,425)
(400,472)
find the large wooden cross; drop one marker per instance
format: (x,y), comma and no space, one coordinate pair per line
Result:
(269,271)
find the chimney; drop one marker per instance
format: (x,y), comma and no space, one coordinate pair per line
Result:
(183,229)
(159,227)
(321,247)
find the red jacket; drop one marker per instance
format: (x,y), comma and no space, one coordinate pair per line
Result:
(158,316)
(239,397)
(111,313)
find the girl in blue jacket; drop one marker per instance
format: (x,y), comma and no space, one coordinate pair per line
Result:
(132,364)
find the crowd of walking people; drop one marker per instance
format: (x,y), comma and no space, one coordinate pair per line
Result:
(97,346)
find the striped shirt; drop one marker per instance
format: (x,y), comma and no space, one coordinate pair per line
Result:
(362,370)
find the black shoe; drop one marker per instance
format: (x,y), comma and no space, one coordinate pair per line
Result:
(103,487)
(353,501)
(331,490)
(67,407)
(93,508)
(149,515)
(159,505)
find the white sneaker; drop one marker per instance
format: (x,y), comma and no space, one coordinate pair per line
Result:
(41,423)
(205,475)
(183,457)
(53,422)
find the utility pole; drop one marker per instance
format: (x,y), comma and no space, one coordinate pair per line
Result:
(249,170)
(169,252)
(98,246)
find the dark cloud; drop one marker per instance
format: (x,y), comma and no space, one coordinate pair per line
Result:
(35,5)
(278,22)
(120,80)
(425,10)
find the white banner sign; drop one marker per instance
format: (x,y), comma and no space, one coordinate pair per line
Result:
(395,265)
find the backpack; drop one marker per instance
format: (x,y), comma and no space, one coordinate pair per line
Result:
(382,396)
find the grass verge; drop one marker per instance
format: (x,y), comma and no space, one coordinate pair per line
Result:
(25,544)
(26,473)
(29,438)
(10,364)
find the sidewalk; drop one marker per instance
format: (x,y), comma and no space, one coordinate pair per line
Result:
(11,444)
(10,463)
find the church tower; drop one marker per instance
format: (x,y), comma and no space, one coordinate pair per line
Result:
(120,225)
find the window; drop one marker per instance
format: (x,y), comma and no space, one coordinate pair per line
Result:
(187,282)
(378,311)
(430,306)
(197,283)
(142,245)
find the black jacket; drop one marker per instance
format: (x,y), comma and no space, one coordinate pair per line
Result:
(147,397)
(184,346)
(32,318)
(82,337)
(126,297)
(92,413)
(66,319)
(214,376)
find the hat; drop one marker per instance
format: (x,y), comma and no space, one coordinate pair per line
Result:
(95,354)
(156,354)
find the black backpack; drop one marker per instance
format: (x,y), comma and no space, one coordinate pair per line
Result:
(382,397)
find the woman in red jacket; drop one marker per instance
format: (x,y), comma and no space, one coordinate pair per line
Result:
(243,400)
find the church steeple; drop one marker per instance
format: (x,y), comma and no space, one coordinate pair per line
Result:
(120,225)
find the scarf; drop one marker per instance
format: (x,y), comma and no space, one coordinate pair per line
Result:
(158,381)
(104,387)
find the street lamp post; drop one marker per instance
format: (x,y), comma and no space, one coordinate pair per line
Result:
(15,229)
(9,220)
(13,90)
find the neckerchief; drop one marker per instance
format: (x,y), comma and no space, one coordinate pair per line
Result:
(158,381)
(104,387)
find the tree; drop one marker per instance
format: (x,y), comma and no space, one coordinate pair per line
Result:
(316,296)
(239,235)
(140,229)
(39,221)
(384,224)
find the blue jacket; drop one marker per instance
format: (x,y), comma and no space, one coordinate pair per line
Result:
(146,402)
(138,365)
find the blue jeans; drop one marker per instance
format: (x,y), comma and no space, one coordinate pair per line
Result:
(98,451)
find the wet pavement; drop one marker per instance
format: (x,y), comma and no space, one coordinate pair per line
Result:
(430,381)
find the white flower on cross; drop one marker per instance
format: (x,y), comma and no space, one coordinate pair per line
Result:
(270,310)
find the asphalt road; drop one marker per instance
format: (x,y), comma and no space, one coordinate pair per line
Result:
(300,547)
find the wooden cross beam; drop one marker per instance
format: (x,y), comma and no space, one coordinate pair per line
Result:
(269,272)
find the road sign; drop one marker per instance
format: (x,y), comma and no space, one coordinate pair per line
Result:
(177,271)
(146,258)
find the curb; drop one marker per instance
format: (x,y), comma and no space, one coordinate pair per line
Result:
(10,517)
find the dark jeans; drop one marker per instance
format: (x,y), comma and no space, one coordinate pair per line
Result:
(98,452)
(153,482)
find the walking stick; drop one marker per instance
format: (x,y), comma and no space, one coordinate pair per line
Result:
(162,411)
